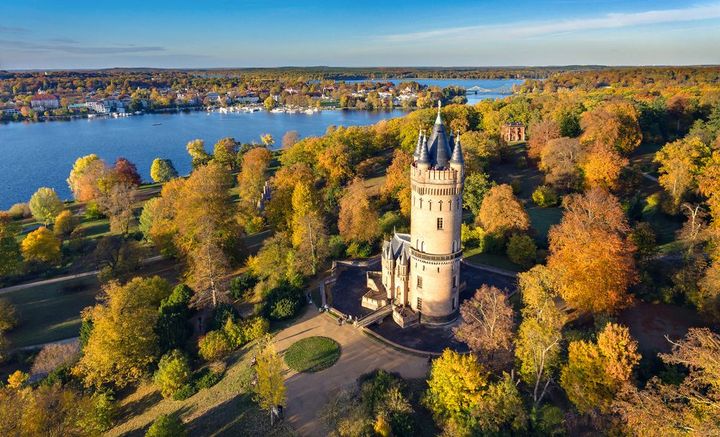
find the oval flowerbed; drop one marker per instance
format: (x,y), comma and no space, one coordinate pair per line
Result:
(312,354)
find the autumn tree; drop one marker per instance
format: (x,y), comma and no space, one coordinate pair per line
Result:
(84,176)
(270,389)
(397,183)
(501,212)
(162,170)
(560,160)
(252,176)
(290,138)
(196,150)
(613,124)
(601,167)
(357,221)
(487,326)
(688,408)
(480,148)
(595,372)
(590,253)
(207,231)
(123,343)
(116,202)
(680,163)
(708,301)
(334,162)
(225,153)
(537,346)
(126,172)
(65,224)
(309,235)
(10,254)
(709,185)
(455,388)
(540,132)
(45,205)
(41,246)
(283,185)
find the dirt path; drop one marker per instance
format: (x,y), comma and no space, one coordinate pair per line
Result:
(308,392)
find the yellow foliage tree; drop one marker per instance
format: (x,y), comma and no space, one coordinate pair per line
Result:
(680,162)
(501,212)
(613,124)
(41,245)
(270,388)
(123,343)
(357,221)
(602,166)
(595,372)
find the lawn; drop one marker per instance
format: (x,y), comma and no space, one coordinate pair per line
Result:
(50,312)
(542,219)
(312,354)
(499,260)
(225,409)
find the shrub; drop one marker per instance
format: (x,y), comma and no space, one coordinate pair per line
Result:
(92,211)
(19,211)
(207,378)
(336,246)
(241,285)
(391,221)
(521,250)
(17,379)
(184,392)
(8,316)
(255,328)
(652,203)
(173,372)
(221,313)
(283,302)
(166,426)
(545,196)
(359,250)
(214,345)
(54,356)
(516,185)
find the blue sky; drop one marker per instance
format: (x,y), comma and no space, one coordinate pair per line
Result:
(56,34)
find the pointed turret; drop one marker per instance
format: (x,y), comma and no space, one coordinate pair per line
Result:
(457,156)
(424,157)
(416,155)
(438,119)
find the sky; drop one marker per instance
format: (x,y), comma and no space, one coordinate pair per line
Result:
(75,34)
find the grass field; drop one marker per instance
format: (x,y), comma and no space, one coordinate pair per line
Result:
(226,408)
(312,354)
(499,260)
(50,312)
(542,219)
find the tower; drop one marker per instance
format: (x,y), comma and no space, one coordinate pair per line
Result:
(436,178)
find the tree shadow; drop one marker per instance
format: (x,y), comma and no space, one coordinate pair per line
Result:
(136,408)
(239,416)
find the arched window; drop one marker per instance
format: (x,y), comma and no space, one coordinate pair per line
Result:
(420,203)
(430,204)
(441,205)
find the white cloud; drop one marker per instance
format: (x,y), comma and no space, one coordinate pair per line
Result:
(531,29)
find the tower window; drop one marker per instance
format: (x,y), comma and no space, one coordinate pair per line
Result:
(419,282)
(419,304)
(454,304)
(440,223)
(441,205)
(430,205)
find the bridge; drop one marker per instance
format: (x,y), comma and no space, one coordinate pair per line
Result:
(374,316)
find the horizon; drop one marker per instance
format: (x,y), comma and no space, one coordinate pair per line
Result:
(216,34)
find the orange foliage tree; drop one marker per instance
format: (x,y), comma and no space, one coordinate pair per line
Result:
(590,254)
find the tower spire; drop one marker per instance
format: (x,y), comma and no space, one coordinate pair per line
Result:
(457,155)
(438,120)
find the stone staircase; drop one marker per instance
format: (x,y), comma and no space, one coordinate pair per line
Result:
(375,316)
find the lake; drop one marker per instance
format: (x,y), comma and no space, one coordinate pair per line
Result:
(41,154)
(491,88)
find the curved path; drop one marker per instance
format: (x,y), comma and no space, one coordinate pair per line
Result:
(309,392)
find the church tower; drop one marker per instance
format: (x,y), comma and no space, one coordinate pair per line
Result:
(436,176)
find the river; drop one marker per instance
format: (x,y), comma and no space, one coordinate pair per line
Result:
(41,154)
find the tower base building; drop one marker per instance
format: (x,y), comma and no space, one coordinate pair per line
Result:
(420,275)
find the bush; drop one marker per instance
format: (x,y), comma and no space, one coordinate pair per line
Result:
(336,247)
(207,378)
(359,250)
(19,211)
(214,345)
(545,196)
(92,211)
(391,221)
(242,285)
(239,333)
(173,372)
(184,392)
(521,250)
(516,185)
(221,313)
(283,302)
(166,426)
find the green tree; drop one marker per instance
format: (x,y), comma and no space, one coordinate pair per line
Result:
(10,255)
(522,250)
(309,235)
(166,426)
(45,205)
(214,345)
(173,372)
(162,170)
(225,152)
(477,186)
